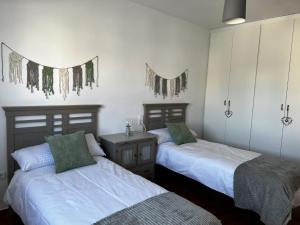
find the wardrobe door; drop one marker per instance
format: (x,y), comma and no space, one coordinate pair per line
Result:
(242,82)
(217,85)
(271,84)
(291,133)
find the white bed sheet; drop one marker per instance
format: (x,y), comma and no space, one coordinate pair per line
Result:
(77,197)
(209,163)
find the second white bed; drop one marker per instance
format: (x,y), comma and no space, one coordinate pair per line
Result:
(209,163)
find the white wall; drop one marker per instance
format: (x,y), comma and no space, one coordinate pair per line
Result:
(124,35)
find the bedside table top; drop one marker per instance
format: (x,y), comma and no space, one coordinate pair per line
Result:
(121,137)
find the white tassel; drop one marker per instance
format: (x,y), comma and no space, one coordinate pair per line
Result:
(15,68)
(147,75)
(172,88)
(64,82)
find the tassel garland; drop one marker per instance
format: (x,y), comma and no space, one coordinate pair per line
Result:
(163,86)
(47,76)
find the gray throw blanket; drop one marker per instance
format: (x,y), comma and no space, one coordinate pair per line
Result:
(267,186)
(164,209)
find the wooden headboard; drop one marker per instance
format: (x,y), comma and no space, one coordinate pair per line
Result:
(157,115)
(27,126)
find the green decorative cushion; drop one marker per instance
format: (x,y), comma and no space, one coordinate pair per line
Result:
(70,151)
(180,133)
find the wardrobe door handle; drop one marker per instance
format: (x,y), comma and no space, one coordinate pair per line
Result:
(281,108)
(228,112)
(287,111)
(225,102)
(286,120)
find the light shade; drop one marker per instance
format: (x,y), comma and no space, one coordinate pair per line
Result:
(234,11)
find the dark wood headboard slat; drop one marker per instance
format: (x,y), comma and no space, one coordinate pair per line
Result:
(157,115)
(35,130)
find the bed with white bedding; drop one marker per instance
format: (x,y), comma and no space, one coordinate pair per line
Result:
(90,189)
(203,160)
(76,197)
(215,166)
(248,177)
(103,193)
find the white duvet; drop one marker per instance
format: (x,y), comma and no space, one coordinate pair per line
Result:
(211,164)
(76,197)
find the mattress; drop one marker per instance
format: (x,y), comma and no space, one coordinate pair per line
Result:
(209,163)
(77,197)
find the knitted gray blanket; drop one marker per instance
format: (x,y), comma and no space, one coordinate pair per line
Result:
(267,185)
(164,209)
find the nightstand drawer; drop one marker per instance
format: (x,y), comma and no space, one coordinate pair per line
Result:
(145,171)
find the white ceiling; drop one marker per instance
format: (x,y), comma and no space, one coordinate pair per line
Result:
(208,13)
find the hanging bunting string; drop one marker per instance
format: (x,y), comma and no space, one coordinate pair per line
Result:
(15,74)
(163,86)
(55,68)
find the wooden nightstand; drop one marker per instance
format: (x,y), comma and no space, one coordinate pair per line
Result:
(136,153)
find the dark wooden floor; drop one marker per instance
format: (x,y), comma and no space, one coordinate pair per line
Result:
(8,217)
(216,203)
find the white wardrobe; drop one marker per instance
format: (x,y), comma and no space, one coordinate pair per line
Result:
(253,87)
(230,85)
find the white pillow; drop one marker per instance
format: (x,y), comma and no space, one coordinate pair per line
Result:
(34,157)
(37,156)
(93,145)
(163,135)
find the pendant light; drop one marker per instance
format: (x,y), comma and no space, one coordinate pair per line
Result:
(234,11)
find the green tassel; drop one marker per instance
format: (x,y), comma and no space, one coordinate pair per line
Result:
(89,74)
(48,81)
(77,79)
(183,81)
(164,87)
(157,85)
(177,86)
